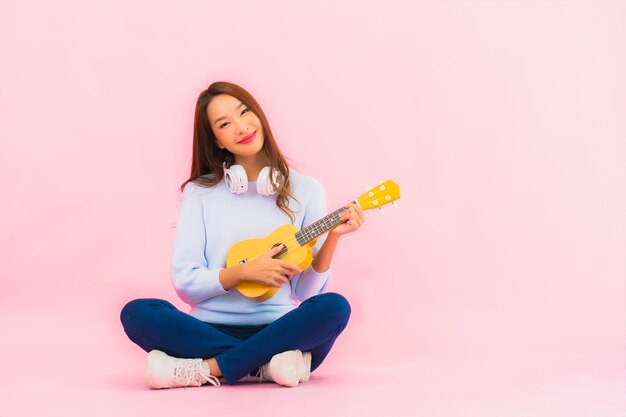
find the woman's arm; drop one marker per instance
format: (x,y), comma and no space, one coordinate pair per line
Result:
(315,279)
(263,270)
(194,280)
(353,218)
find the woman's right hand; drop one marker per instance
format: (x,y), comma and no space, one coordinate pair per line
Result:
(269,271)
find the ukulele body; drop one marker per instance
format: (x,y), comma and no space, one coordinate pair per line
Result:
(248,250)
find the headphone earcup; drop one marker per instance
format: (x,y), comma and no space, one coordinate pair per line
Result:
(236,179)
(263,183)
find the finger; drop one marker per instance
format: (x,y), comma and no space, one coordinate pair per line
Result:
(356,209)
(290,269)
(275,284)
(346,218)
(284,272)
(277,280)
(354,220)
(271,281)
(275,250)
(360,214)
(356,214)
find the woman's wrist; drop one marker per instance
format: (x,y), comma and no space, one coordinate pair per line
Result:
(230,277)
(322,261)
(333,236)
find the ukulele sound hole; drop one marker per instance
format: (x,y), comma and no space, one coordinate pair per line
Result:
(282,251)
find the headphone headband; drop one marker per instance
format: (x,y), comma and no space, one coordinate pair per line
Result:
(237,180)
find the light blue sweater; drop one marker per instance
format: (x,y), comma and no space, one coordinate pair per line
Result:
(211,221)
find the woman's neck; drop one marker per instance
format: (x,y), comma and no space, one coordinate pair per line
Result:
(252,164)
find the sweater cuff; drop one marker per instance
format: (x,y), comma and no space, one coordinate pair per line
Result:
(199,285)
(311,283)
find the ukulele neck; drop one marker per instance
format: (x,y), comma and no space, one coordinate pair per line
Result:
(323,225)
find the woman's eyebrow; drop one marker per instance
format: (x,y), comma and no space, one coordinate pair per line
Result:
(223,117)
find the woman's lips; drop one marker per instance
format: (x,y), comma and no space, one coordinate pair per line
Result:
(247,139)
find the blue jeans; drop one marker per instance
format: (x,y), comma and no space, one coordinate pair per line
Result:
(239,350)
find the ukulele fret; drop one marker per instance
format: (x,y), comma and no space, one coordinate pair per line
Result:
(319,227)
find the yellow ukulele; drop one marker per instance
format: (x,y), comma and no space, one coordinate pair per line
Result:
(298,243)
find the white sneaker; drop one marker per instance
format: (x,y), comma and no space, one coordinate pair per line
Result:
(287,368)
(305,370)
(164,371)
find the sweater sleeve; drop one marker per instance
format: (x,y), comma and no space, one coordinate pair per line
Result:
(310,282)
(193,280)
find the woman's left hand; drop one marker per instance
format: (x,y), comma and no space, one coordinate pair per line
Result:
(353,218)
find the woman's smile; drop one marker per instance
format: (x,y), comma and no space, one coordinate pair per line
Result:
(247,139)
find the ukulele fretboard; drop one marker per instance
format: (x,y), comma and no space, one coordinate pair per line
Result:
(319,227)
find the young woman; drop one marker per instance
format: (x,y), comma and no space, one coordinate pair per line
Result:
(241,188)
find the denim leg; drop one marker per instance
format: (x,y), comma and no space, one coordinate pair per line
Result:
(156,324)
(312,327)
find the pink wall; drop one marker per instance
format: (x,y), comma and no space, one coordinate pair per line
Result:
(503,123)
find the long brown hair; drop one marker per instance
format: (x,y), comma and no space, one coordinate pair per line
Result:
(207,158)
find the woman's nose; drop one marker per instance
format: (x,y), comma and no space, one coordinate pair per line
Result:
(243,127)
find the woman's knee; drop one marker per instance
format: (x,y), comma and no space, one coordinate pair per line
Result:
(337,305)
(137,309)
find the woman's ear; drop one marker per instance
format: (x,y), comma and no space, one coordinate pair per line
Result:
(219,145)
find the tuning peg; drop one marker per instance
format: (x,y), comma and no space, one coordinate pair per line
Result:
(368,188)
(381,210)
(394,204)
(380,182)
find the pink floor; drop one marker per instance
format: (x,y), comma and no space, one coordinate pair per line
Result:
(88,368)
(497,289)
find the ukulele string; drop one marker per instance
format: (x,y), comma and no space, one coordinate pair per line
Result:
(290,244)
(293,243)
(372,194)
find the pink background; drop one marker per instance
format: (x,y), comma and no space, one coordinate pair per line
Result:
(496,289)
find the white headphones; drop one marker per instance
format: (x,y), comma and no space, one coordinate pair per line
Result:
(237,180)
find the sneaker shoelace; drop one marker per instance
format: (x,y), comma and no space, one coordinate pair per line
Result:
(261,375)
(191,370)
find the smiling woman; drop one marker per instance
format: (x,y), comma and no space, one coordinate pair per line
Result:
(230,128)
(227,334)
(225,115)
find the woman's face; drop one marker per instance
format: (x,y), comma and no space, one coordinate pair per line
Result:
(233,124)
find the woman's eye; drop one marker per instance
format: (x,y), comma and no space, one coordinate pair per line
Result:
(242,112)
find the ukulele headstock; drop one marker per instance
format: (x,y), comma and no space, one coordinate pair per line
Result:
(376,197)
